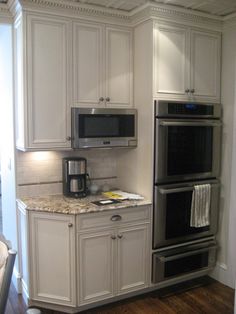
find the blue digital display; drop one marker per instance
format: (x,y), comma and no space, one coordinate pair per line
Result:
(191,106)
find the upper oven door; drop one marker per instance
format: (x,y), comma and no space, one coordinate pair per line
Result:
(187,149)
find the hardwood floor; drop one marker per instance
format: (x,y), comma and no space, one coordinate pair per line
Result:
(199,296)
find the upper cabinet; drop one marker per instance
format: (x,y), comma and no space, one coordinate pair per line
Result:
(42,55)
(102,66)
(62,63)
(186,63)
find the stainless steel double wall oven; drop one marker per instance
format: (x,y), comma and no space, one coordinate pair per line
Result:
(187,153)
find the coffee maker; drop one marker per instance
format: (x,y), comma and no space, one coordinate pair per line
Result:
(74,177)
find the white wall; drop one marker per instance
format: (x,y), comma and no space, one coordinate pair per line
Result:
(7,136)
(226,267)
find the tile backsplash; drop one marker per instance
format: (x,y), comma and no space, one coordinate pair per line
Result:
(40,173)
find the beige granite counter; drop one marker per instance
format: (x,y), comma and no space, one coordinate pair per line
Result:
(66,205)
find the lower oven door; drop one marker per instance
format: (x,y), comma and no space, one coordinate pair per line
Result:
(172,212)
(178,262)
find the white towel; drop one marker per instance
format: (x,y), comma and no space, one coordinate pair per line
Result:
(200,207)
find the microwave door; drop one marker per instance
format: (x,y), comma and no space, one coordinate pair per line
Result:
(186,149)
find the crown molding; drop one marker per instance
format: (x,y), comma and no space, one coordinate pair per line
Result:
(176,14)
(74,9)
(107,15)
(5,14)
(230,21)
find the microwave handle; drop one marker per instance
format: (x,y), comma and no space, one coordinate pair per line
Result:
(164,259)
(192,123)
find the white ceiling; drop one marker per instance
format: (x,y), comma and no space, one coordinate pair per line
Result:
(216,7)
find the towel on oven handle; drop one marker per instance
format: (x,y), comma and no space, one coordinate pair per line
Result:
(200,206)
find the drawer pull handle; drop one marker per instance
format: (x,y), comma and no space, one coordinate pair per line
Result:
(70,225)
(113,237)
(120,236)
(116,218)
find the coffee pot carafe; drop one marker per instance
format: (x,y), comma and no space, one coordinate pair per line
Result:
(74,177)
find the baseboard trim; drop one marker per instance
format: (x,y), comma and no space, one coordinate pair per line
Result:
(16,279)
(25,293)
(20,285)
(221,273)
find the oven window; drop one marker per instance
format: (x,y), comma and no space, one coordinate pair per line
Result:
(186,264)
(178,211)
(189,149)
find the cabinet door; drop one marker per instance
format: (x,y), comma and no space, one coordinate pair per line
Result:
(171,64)
(133,258)
(96,266)
(88,65)
(48,82)
(52,258)
(205,64)
(119,68)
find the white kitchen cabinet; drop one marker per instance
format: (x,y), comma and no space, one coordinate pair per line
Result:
(132,258)
(52,258)
(96,273)
(103,66)
(186,63)
(114,257)
(42,46)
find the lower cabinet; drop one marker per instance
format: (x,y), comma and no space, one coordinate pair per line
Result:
(113,261)
(132,258)
(69,261)
(52,258)
(96,266)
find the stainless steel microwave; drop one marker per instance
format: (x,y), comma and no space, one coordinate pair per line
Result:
(103,127)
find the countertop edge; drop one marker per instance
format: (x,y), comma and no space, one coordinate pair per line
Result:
(52,203)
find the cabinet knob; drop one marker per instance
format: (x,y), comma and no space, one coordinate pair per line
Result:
(101,99)
(108,99)
(192,90)
(70,224)
(187,90)
(113,237)
(120,236)
(68,138)
(116,218)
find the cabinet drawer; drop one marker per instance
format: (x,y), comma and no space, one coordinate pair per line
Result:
(113,217)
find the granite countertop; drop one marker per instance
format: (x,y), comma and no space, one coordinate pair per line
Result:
(67,205)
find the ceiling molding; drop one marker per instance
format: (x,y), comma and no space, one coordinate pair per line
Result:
(107,15)
(176,14)
(75,9)
(5,14)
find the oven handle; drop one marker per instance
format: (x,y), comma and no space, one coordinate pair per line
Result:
(164,259)
(192,123)
(179,190)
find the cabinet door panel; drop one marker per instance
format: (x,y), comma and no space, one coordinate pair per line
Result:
(52,258)
(88,64)
(205,60)
(170,60)
(119,67)
(48,100)
(96,266)
(133,260)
